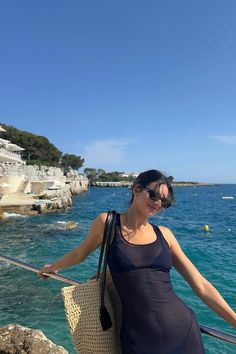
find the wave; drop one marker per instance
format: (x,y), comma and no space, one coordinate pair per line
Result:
(13,215)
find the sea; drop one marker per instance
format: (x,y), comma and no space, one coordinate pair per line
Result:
(36,303)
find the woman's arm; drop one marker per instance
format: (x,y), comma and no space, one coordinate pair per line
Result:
(77,255)
(203,288)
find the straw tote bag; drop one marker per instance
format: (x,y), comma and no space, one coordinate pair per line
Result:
(93,309)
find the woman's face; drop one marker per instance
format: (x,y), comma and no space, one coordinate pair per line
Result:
(148,200)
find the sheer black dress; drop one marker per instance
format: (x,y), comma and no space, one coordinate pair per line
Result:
(154,319)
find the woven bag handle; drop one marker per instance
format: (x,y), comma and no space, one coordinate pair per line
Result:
(108,235)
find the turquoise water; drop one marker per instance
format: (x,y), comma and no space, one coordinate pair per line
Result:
(35,303)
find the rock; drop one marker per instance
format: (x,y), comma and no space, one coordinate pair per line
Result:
(40,189)
(15,339)
(2,216)
(78,183)
(75,187)
(31,170)
(70,225)
(62,203)
(59,201)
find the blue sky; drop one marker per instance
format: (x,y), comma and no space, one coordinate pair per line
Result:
(128,85)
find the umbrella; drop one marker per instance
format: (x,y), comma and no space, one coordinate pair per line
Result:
(2,129)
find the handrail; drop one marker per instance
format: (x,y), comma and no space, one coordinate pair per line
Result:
(36,269)
(230,338)
(204,329)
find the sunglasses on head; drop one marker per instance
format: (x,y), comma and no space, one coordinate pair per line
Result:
(155,196)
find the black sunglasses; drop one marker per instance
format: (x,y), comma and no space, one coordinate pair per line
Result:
(155,196)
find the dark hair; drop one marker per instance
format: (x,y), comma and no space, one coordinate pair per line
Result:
(147,177)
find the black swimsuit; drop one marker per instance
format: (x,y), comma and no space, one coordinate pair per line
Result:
(154,319)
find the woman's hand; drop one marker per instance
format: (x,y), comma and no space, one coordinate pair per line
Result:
(48,268)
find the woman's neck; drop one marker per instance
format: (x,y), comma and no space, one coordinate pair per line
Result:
(133,220)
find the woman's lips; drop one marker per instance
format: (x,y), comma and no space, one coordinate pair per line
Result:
(154,208)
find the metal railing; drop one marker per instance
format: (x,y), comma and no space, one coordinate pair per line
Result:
(204,329)
(36,269)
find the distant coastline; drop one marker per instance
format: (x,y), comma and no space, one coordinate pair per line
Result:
(129,184)
(191,184)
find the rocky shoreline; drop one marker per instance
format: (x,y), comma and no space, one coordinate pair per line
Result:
(35,205)
(36,190)
(191,184)
(15,339)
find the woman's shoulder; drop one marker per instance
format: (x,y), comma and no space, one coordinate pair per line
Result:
(102,217)
(97,227)
(99,221)
(167,234)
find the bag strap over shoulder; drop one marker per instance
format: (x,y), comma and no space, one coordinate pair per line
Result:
(108,235)
(104,239)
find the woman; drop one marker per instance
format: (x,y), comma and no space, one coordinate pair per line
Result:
(154,319)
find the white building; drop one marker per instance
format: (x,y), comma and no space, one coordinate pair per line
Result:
(130,174)
(10,153)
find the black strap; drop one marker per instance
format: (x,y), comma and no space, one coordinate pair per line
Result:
(104,240)
(108,235)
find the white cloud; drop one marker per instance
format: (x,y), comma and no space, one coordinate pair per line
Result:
(224,139)
(104,153)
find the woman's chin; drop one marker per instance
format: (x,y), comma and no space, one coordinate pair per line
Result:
(151,211)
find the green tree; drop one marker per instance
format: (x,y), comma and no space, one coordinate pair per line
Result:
(91,173)
(100,171)
(71,161)
(39,150)
(94,175)
(114,177)
(170,179)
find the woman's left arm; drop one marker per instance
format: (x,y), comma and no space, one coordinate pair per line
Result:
(202,287)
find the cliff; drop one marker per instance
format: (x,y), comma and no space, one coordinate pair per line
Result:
(37,189)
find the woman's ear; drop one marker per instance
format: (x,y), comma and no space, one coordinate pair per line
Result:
(136,190)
